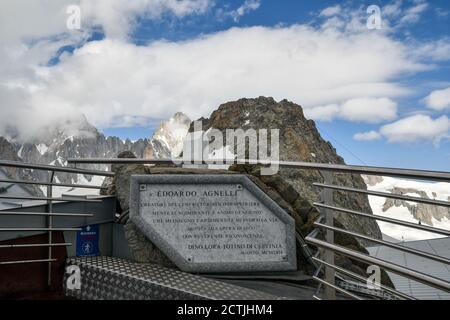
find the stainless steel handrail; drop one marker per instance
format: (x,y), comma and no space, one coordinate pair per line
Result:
(369,170)
(403,271)
(385,194)
(55,214)
(49,198)
(386,243)
(42,183)
(362,279)
(335,287)
(122,161)
(337,168)
(26,261)
(37,229)
(33,245)
(385,219)
(46,167)
(409,273)
(49,214)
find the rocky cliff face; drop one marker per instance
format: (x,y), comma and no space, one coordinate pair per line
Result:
(371,180)
(422,212)
(7,152)
(299,141)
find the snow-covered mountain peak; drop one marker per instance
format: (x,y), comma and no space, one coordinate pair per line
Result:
(172,132)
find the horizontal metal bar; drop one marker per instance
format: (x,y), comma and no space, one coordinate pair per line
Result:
(24,165)
(368,170)
(362,279)
(42,183)
(409,273)
(386,219)
(314,232)
(26,261)
(354,296)
(385,194)
(386,243)
(53,214)
(123,161)
(37,229)
(49,199)
(34,245)
(380,171)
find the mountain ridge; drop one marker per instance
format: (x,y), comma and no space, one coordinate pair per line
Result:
(85,141)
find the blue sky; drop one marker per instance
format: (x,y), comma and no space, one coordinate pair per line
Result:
(340,133)
(380,96)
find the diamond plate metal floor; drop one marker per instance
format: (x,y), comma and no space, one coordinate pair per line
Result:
(109,278)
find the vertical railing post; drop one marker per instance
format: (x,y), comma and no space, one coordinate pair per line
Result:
(50,226)
(327,198)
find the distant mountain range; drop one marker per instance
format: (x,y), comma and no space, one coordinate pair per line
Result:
(85,141)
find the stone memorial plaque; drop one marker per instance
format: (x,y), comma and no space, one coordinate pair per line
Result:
(213,223)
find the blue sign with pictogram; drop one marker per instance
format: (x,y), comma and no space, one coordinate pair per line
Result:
(87,241)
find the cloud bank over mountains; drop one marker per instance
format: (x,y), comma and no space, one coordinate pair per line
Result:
(336,69)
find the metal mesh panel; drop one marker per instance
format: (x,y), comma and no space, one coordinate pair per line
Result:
(118,279)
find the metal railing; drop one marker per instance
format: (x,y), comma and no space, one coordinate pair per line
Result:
(49,229)
(334,276)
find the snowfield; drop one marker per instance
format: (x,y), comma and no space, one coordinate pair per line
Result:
(69,191)
(434,190)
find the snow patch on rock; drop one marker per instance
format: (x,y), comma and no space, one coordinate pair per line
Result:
(41,147)
(433,190)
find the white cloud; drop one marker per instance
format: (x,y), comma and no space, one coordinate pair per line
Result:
(438,50)
(412,14)
(400,14)
(367,136)
(438,99)
(23,19)
(323,113)
(109,79)
(331,11)
(417,128)
(118,17)
(441,12)
(369,110)
(246,7)
(116,83)
(392,9)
